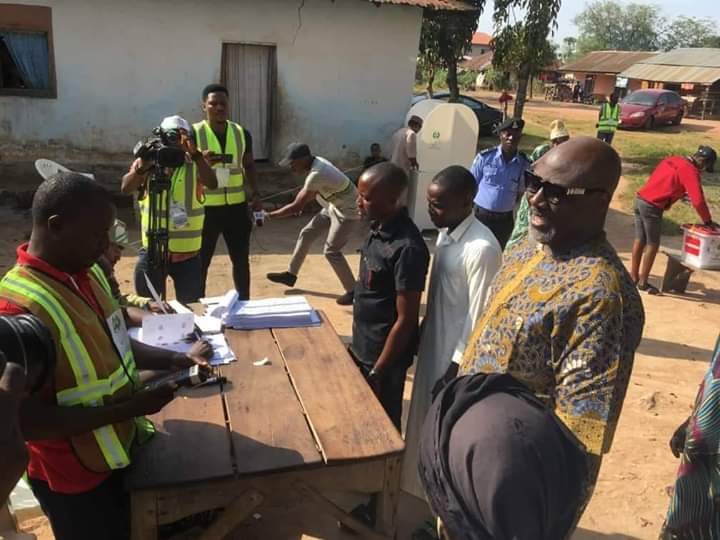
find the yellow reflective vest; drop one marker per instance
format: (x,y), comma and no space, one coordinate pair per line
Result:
(186,238)
(609,118)
(91,370)
(234,191)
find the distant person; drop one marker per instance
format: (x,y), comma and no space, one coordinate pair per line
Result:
(467,257)
(608,119)
(339,217)
(404,145)
(505,99)
(558,135)
(375,157)
(672,179)
(499,172)
(393,266)
(228,147)
(693,510)
(576,92)
(187,216)
(563,321)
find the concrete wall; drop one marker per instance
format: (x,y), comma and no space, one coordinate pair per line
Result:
(345,70)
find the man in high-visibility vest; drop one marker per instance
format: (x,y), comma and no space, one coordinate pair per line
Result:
(187,216)
(608,119)
(81,426)
(228,148)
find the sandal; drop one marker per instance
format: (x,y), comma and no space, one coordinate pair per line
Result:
(650,289)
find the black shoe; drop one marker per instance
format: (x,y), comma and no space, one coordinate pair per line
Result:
(346,299)
(286,278)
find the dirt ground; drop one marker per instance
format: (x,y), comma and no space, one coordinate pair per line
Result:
(632,494)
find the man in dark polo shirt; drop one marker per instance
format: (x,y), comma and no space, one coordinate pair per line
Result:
(393,265)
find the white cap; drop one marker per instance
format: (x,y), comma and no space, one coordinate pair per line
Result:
(175,122)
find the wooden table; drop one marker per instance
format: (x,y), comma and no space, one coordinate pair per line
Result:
(305,424)
(678,272)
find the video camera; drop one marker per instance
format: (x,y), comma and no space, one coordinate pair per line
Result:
(26,341)
(164,149)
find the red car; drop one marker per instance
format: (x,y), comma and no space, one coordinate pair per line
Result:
(649,108)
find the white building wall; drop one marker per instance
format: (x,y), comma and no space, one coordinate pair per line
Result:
(345,70)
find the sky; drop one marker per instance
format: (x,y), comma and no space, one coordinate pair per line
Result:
(570,8)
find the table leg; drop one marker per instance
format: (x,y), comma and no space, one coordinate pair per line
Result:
(387,501)
(144,523)
(676,277)
(235,513)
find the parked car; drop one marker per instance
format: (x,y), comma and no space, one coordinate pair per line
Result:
(649,108)
(488,117)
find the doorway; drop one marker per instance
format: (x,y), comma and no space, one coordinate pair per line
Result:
(249,73)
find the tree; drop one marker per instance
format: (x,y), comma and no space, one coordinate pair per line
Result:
(524,45)
(690,32)
(569,47)
(608,25)
(445,38)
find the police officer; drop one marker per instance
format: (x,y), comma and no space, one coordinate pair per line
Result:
(499,174)
(186,216)
(608,119)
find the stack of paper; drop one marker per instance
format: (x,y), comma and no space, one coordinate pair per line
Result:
(290,312)
(221,351)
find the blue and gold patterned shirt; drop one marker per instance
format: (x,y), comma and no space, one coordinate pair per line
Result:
(567,327)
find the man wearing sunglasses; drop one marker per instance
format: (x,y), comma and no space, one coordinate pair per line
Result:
(498,172)
(564,319)
(674,178)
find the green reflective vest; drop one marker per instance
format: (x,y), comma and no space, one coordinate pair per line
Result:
(185,238)
(90,371)
(234,192)
(609,118)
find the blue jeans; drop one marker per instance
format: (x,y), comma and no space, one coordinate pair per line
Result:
(186,276)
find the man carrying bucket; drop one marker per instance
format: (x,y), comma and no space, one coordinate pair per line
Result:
(674,178)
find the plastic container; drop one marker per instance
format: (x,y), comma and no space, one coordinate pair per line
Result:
(701,246)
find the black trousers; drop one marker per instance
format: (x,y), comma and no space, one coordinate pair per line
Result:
(233,222)
(103,512)
(500,223)
(392,386)
(606,136)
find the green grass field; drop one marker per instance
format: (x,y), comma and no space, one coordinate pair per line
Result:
(641,151)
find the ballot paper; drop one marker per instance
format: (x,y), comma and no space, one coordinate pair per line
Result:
(222,354)
(289,312)
(159,330)
(178,307)
(223,306)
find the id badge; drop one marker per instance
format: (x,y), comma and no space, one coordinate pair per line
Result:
(121,339)
(178,215)
(223,177)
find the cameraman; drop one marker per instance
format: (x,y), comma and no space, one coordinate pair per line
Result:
(82,425)
(187,215)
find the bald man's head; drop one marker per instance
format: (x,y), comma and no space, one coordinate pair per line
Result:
(577,217)
(379,190)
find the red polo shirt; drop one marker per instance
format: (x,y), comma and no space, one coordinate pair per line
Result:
(670,181)
(53,461)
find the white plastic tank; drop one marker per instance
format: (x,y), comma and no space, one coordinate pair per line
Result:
(448,137)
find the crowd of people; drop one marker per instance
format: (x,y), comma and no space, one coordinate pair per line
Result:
(522,360)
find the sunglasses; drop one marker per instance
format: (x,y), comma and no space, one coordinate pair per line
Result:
(553,193)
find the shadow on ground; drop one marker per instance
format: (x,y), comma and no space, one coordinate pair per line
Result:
(584,534)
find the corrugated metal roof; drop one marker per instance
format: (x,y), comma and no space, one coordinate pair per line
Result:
(478,63)
(481,38)
(450,5)
(606,61)
(698,66)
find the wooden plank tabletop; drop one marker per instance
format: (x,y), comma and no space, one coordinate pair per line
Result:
(269,429)
(348,421)
(192,442)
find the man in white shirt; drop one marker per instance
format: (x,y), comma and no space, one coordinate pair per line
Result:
(404,145)
(467,257)
(339,217)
